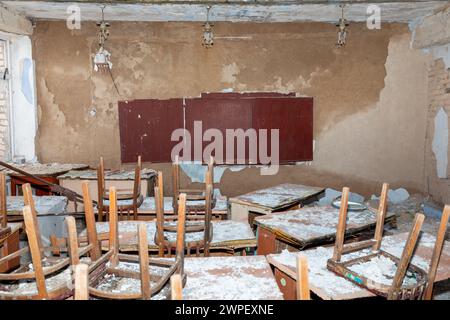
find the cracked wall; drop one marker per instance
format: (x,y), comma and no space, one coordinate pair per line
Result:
(369,97)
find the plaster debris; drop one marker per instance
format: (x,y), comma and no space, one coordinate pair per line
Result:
(440,142)
(233,278)
(397,195)
(382,270)
(331,194)
(29,287)
(45,205)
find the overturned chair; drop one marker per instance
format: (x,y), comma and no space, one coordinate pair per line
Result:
(407,281)
(198,232)
(128,200)
(45,277)
(195,198)
(134,267)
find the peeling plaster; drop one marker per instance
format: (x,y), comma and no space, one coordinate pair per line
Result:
(229,73)
(441,52)
(440,142)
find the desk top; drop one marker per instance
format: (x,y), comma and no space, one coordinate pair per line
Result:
(44,169)
(211,278)
(278,197)
(226,234)
(329,286)
(109,175)
(311,225)
(45,205)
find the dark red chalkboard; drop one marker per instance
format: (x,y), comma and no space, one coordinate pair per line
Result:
(146,125)
(293,117)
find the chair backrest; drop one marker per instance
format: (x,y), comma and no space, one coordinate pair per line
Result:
(3,204)
(100,188)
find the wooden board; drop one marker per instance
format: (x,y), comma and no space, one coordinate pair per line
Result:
(314,225)
(47,169)
(227,234)
(329,286)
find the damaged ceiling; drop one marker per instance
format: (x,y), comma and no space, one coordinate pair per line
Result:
(232,11)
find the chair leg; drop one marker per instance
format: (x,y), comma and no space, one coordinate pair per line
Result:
(342,223)
(406,256)
(144,262)
(437,253)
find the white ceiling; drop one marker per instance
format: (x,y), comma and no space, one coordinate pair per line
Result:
(330,12)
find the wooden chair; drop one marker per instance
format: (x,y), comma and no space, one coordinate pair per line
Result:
(115,258)
(129,200)
(395,291)
(49,277)
(302,284)
(195,201)
(5,231)
(199,233)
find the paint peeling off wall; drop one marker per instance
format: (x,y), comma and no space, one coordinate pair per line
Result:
(441,52)
(440,142)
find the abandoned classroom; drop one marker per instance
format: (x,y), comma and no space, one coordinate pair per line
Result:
(224,150)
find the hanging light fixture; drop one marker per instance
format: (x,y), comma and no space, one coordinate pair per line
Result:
(102,57)
(208,36)
(342,29)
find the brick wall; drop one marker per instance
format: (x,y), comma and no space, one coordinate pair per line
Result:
(4,103)
(438,97)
